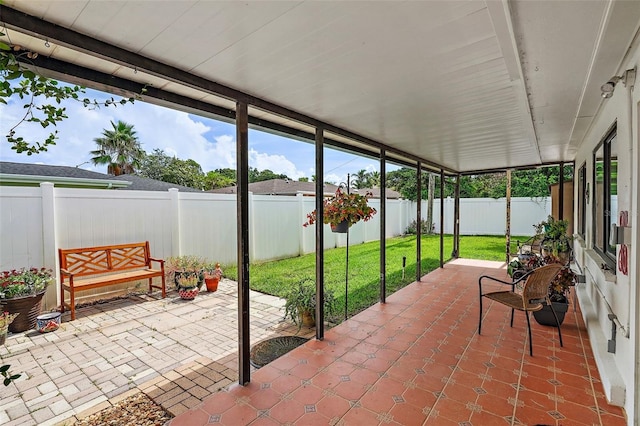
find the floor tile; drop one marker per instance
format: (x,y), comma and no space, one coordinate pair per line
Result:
(419,360)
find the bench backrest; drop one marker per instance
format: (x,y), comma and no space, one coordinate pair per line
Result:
(99,260)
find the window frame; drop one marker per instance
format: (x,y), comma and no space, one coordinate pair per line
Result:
(601,247)
(583,201)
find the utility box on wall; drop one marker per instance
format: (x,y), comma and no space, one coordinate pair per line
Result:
(567,208)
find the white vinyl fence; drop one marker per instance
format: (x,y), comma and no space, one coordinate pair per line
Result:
(487,216)
(35,222)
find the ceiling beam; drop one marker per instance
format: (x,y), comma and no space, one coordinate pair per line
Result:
(500,14)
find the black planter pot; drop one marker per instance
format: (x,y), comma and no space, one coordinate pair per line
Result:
(340,228)
(545,316)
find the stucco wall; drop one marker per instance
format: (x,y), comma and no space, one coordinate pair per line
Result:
(608,292)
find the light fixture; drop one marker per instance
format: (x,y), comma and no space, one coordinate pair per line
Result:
(628,79)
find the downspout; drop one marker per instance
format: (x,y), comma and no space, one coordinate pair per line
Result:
(636,407)
(630,84)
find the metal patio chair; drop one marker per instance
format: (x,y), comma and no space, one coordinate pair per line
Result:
(527,294)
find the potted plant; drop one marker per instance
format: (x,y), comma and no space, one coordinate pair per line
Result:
(21,292)
(5,319)
(187,273)
(554,237)
(300,303)
(212,276)
(343,210)
(558,292)
(520,266)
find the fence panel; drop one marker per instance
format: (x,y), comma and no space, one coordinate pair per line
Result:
(204,224)
(487,216)
(207,226)
(21,227)
(95,217)
(275,227)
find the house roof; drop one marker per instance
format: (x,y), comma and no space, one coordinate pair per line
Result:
(292,187)
(29,174)
(139,183)
(279,187)
(390,193)
(46,170)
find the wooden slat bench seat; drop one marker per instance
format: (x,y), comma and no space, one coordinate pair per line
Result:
(88,268)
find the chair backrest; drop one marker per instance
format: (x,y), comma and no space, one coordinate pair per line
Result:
(537,284)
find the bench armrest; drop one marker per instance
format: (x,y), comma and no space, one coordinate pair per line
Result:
(153,259)
(65,272)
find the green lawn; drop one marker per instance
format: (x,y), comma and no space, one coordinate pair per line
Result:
(276,277)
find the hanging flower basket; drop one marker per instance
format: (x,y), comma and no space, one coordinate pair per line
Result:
(343,208)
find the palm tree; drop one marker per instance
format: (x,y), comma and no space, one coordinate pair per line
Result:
(374,179)
(119,149)
(361,179)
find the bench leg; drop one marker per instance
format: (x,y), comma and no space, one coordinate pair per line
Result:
(61,298)
(150,285)
(72,302)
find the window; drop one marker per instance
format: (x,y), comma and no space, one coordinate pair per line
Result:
(605,200)
(582,199)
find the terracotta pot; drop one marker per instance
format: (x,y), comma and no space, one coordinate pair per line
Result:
(188,294)
(212,283)
(28,308)
(340,228)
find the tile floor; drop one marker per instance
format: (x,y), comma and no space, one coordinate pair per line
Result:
(418,360)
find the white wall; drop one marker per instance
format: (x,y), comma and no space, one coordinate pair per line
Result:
(614,292)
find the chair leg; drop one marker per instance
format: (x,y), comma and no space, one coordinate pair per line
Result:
(557,323)
(480,318)
(512,310)
(529,328)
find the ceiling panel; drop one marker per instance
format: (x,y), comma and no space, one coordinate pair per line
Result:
(468,85)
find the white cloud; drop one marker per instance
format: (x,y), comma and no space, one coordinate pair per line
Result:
(334,178)
(276,163)
(175,132)
(209,142)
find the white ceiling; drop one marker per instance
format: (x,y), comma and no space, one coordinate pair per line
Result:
(469,85)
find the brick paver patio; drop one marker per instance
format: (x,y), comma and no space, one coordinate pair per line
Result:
(176,351)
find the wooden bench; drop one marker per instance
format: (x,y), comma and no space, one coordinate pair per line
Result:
(93,267)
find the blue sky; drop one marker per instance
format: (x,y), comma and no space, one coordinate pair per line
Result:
(209,142)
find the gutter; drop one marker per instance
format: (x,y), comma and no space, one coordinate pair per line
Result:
(14,179)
